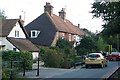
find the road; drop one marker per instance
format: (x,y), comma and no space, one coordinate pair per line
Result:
(78,73)
(96,73)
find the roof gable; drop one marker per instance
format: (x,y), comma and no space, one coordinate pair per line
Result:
(8,24)
(44,24)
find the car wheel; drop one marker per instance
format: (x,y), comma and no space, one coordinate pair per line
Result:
(114,59)
(86,66)
(105,65)
(110,59)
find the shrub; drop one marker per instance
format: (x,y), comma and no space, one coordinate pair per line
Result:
(52,58)
(8,56)
(67,63)
(18,56)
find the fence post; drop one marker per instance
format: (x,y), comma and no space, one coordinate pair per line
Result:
(38,64)
(11,77)
(74,64)
(23,67)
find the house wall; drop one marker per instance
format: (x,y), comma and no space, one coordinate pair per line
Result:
(8,45)
(68,36)
(17,28)
(75,39)
(56,37)
(35,55)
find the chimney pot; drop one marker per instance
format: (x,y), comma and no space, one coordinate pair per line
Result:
(62,14)
(48,8)
(20,17)
(78,25)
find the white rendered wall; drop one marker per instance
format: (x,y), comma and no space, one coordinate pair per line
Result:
(8,45)
(35,55)
(17,28)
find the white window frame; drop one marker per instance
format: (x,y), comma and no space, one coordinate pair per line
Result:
(36,33)
(17,33)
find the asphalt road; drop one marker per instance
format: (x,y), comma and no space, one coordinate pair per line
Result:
(73,74)
(91,72)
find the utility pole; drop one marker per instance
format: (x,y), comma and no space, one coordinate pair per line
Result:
(118,42)
(24,13)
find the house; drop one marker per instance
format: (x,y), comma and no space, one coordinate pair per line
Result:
(13,36)
(46,29)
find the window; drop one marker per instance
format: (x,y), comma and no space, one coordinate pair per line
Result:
(14,49)
(16,33)
(34,33)
(69,37)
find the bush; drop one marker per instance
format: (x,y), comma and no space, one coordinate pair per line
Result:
(52,58)
(18,56)
(8,56)
(61,56)
(67,63)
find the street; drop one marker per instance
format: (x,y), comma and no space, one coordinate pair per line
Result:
(79,72)
(92,72)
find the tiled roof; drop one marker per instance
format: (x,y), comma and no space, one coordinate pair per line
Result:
(48,26)
(23,44)
(6,25)
(65,26)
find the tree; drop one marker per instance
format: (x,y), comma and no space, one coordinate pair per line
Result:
(2,14)
(87,44)
(65,46)
(110,13)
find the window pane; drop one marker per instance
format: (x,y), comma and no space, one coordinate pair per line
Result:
(16,33)
(33,34)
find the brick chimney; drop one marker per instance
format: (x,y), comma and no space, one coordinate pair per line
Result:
(62,14)
(48,8)
(78,25)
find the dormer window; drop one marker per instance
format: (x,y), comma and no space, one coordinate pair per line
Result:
(34,33)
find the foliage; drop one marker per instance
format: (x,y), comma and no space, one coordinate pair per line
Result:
(52,58)
(63,43)
(61,56)
(87,44)
(8,56)
(68,51)
(91,43)
(18,56)
(2,14)
(100,44)
(110,13)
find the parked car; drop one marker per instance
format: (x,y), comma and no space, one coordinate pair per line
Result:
(95,59)
(115,56)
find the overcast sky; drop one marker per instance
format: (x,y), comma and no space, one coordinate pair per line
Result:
(77,11)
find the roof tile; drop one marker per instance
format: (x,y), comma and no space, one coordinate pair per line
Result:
(23,44)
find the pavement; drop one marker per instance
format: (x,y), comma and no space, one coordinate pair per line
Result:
(47,72)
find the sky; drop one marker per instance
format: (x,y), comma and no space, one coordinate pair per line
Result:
(77,11)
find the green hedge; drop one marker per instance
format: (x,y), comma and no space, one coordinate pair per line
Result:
(52,58)
(18,56)
(8,56)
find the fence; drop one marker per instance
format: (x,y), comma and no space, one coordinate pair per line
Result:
(14,67)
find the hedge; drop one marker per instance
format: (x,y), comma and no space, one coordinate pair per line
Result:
(8,56)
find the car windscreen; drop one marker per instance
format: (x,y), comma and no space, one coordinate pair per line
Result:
(93,56)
